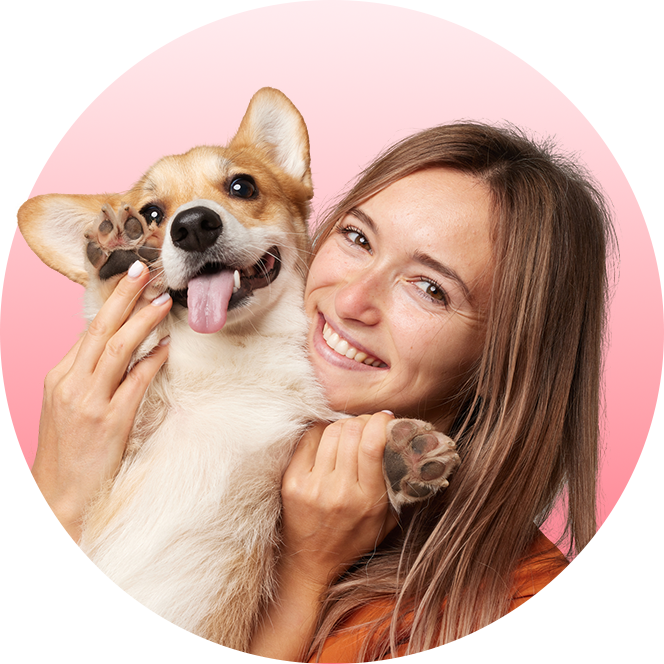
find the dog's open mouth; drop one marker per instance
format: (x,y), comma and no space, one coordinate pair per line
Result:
(218,288)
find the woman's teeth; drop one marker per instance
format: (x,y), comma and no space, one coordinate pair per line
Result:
(341,346)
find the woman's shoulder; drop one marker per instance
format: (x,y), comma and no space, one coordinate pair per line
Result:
(539,566)
(542,564)
(546,572)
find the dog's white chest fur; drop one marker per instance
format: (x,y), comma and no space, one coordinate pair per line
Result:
(188,527)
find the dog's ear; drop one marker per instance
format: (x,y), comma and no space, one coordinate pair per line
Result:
(273,124)
(54,227)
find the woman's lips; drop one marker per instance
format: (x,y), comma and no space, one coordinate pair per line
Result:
(341,346)
(341,352)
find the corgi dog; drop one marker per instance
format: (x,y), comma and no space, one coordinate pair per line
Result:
(189,525)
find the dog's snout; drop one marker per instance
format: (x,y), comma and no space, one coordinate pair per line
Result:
(196,229)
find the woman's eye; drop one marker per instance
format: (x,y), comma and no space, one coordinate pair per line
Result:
(432,289)
(355,237)
(152,214)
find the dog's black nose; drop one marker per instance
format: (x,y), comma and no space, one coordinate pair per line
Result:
(196,229)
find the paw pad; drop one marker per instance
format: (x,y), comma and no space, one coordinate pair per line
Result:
(117,239)
(418,461)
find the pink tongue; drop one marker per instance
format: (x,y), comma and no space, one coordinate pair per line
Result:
(207,300)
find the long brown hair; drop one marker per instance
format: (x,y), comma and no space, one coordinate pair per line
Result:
(528,429)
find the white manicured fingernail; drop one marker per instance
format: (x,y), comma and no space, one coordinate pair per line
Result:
(135,270)
(161,299)
(165,341)
(389,412)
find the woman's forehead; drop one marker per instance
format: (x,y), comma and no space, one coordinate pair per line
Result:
(439,192)
(436,211)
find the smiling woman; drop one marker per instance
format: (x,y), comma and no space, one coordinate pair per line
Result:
(397,297)
(461,280)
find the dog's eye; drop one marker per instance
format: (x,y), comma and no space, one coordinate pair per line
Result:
(152,214)
(243,186)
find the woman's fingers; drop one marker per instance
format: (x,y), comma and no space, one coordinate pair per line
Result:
(351,432)
(130,393)
(335,506)
(352,448)
(326,454)
(111,316)
(115,358)
(342,460)
(370,452)
(304,457)
(109,342)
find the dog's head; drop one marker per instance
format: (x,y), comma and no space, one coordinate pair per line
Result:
(219,227)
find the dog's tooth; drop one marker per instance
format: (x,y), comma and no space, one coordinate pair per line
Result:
(236,281)
(351,353)
(333,340)
(370,360)
(360,357)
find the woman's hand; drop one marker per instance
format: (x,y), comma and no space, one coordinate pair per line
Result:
(335,509)
(335,505)
(89,403)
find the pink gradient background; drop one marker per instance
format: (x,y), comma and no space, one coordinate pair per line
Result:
(394,72)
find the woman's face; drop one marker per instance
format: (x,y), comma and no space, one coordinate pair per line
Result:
(402,283)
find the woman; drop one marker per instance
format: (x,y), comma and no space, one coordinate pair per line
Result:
(467,267)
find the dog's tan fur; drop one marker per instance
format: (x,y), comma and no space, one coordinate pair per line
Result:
(189,524)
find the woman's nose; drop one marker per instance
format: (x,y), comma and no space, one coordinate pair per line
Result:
(360,298)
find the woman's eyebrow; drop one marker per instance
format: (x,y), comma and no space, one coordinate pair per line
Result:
(364,218)
(430,262)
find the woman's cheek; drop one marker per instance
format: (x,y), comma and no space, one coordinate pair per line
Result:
(321,273)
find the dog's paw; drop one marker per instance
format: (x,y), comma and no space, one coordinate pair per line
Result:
(418,461)
(115,240)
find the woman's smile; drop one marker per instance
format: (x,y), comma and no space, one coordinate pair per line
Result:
(396,293)
(340,349)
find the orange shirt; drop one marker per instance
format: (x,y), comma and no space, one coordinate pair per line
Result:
(543,565)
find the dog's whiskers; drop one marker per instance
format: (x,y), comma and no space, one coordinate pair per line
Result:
(153,276)
(157,275)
